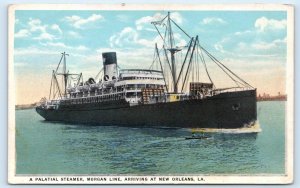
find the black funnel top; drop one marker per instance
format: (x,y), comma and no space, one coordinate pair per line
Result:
(109,58)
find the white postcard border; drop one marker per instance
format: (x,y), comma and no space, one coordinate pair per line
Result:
(154,179)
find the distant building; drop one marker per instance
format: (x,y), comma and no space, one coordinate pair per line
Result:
(268,97)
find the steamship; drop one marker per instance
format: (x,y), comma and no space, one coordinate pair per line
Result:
(171,95)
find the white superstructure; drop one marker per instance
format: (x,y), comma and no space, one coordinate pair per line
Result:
(129,84)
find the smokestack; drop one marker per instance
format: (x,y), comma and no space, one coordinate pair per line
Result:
(110,66)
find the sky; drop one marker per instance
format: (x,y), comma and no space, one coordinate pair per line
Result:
(251,43)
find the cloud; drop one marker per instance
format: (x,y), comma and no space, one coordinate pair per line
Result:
(38,31)
(177,17)
(45,36)
(22,33)
(56,44)
(145,22)
(74,34)
(240,33)
(265,40)
(219,47)
(139,58)
(62,45)
(78,22)
(263,24)
(126,36)
(269,45)
(129,37)
(180,42)
(21,52)
(56,27)
(140,23)
(36,25)
(81,47)
(256,48)
(212,20)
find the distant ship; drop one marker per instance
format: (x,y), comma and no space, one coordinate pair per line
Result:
(152,98)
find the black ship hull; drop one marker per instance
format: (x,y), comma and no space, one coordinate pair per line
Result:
(225,111)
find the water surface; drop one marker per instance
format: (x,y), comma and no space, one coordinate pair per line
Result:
(56,148)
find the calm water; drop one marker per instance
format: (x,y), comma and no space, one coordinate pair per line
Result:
(55,148)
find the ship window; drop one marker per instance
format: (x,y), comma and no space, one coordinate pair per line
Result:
(119,88)
(151,86)
(130,95)
(140,86)
(130,87)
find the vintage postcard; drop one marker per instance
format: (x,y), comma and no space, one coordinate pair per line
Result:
(151,94)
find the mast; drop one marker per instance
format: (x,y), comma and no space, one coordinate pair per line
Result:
(61,70)
(65,74)
(172,51)
(169,43)
(191,56)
